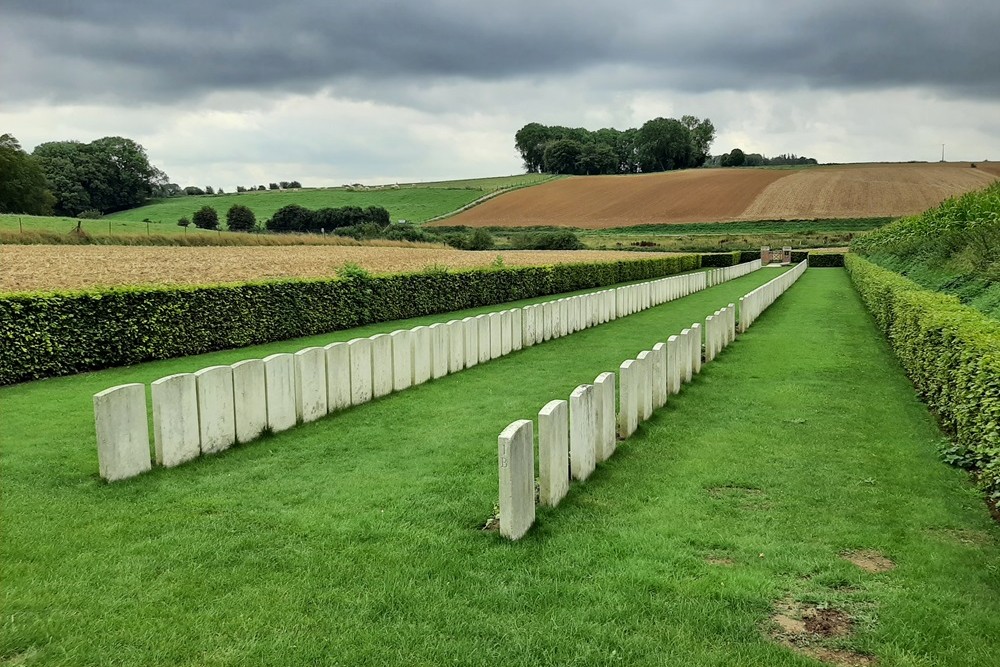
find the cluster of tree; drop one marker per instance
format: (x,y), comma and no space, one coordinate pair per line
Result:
(737,158)
(105,175)
(194,190)
(23,188)
(295,218)
(282,185)
(660,144)
(239,218)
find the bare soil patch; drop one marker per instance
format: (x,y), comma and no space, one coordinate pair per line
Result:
(804,628)
(598,202)
(869,560)
(31,268)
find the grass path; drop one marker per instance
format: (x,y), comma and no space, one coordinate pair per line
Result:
(353,540)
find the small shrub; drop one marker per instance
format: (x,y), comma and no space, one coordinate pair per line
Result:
(240,218)
(353,271)
(206,217)
(90,214)
(183,222)
(481,239)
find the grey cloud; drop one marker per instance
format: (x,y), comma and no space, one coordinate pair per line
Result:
(131,52)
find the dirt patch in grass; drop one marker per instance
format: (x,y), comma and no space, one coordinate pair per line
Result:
(804,628)
(869,560)
(970,538)
(720,561)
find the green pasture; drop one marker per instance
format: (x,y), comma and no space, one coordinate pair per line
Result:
(15,224)
(356,540)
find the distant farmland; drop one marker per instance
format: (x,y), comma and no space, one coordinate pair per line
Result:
(728,195)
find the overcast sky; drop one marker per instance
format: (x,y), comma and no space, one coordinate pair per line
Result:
(237,93)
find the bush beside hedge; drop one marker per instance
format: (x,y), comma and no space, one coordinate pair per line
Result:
(952,355)
(45,335)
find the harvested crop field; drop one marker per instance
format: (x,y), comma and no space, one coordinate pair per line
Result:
(42,267)
(727,195)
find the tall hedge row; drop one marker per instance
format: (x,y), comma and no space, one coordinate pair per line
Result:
(44,335)
(952,355)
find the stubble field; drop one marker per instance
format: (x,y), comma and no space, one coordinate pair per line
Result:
(34,268)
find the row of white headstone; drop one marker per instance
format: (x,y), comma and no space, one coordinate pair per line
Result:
(571,442)
(757,301)
(212,409)
(727,273)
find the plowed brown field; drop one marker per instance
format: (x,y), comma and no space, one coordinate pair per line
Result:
(724,195)
(27,268)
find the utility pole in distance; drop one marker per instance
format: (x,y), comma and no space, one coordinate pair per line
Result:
(942,152)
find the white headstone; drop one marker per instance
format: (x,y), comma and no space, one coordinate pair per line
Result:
(528,326)
(381,365)
(659,375)
(558,311)
(483,324)
(122,431)
(604,403)
(539,312)
(402,360)
(553,452)
(563,307)
(709,338)
(464,343)
(216,408)
(516,330)
(176,437)
(548,315)
(696,347)
(674,361)
(496,335)
(338,376)
(506,332)
(516,458)
(687,355)
(310,384)
(279,380)
(421,354)
(361,370)
(628,400)
(582,432)
(645,360)
(440,344)
(249,399)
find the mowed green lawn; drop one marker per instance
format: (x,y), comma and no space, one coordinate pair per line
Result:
(354,540)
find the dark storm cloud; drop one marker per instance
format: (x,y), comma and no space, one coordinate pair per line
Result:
(117,50)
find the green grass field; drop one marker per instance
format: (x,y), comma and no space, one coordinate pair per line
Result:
(355,540)
(14,224)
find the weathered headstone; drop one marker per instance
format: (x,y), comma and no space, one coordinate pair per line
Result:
(381,365)
(402,360)
(539,311)
(696,347)
(687,355)
(628,399)
(279,380)
(506,332)
(440,348)
(516,458)
(516,330)
(659,375)
(582,432)
(553,452)
(338,376)
(709,338)
(674,361)
(548,314)
(645,359)
(176,437)
(604,403)
(421,354)
(528,326)
(483,327)
(464,344)
(496,335)
(310,384)
(216,411)
(361,370)
(122,431)
(249,399)
(558,312)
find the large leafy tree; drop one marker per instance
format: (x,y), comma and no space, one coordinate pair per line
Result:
(664,144)
(240,218)
(109,174)
(23,188)
(562,156)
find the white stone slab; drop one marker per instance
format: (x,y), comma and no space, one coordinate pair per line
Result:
(628,399)
(421,354)
(464,344)
(249,399)
(659,375)
(483,327)
(596,310)
(572,315)
(709,338)
(402,359)
(687,355)
(645,360)
(216,408)
(440,352)
(553,452)
(582,432)
(548,314)
(673,365)
(176,437)
(338,376)
(563,317)
(604,406)
(516,330)
(496,335)
(381,365)
(528,326)
(279,382)
(539,311)
(516,458)
(361,370)
(506,332)
(732,322)
(310,384)
(558,311)
(122,431)
(696,347)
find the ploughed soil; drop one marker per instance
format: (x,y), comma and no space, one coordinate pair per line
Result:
(725,195)
(63,267)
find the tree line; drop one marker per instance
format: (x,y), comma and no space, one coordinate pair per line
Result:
(661,144)
(737,158)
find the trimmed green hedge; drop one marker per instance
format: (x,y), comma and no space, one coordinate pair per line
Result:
(951,353)
(716,260)
(44,335)
(821,260)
